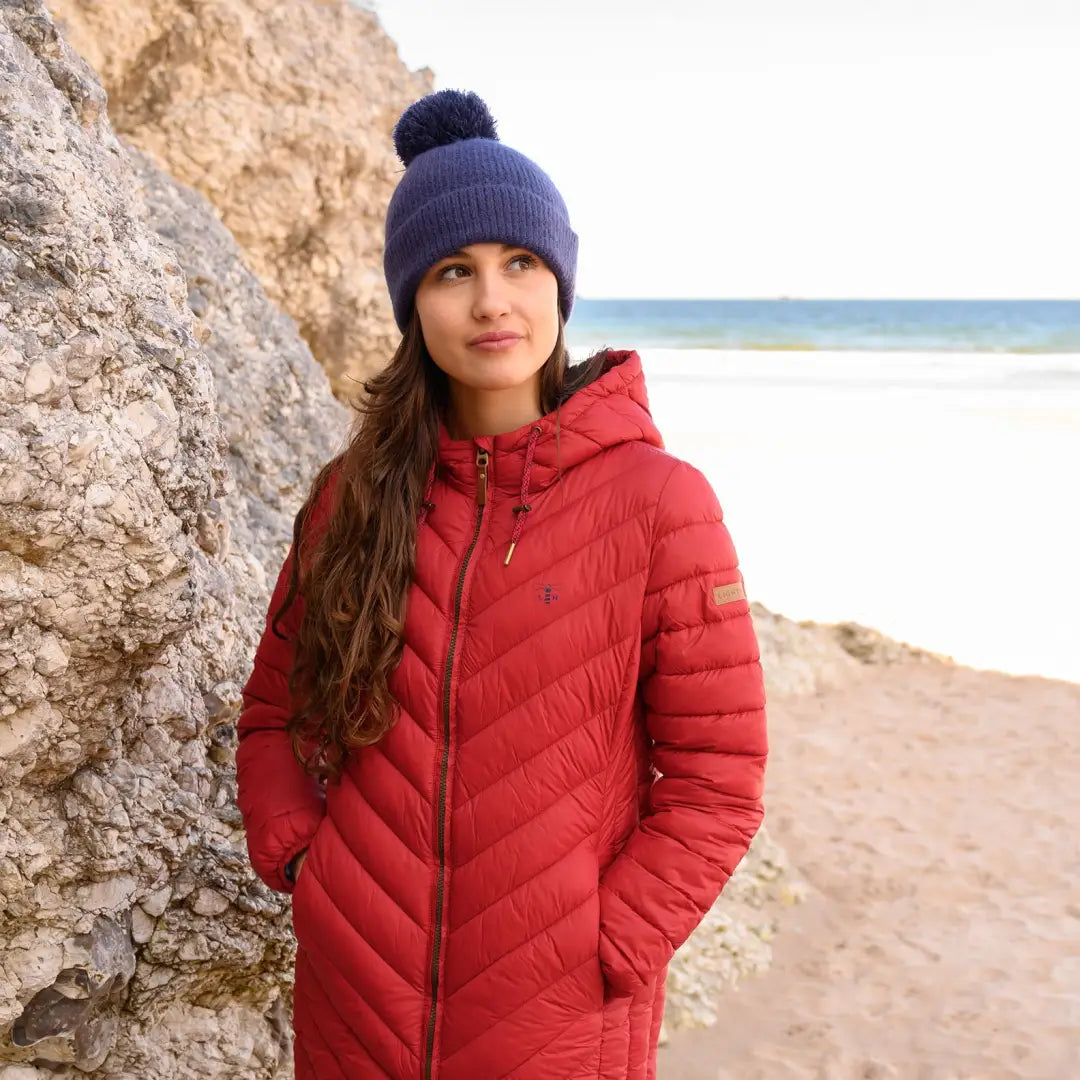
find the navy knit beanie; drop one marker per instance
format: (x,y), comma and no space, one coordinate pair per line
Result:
(462,186)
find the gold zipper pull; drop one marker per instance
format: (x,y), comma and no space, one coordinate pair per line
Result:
(481,465)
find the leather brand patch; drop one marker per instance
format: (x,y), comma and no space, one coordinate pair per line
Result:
(724,594)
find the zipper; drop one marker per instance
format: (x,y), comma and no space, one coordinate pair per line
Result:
(481,502)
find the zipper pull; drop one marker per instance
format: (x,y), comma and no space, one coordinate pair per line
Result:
(481,465)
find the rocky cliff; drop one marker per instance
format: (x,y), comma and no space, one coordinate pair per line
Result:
(281,115)
(159,421)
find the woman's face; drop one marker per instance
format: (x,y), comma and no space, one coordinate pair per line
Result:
(483,289)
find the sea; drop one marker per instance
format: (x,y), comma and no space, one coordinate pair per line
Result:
(1023,326)
(912,465)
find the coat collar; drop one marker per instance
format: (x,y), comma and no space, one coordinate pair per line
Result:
(612,409)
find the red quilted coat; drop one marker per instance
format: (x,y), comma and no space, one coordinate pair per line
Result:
(494,890)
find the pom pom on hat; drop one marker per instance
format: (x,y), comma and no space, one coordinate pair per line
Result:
(439,119)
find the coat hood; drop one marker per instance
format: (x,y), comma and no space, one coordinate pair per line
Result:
(612,409)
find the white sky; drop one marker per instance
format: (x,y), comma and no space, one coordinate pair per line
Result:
(815,148)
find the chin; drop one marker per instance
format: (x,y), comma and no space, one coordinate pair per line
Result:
(498,373)
(509,382)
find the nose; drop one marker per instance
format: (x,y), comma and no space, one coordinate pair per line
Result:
(491,298)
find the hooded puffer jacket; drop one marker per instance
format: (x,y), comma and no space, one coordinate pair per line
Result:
(494,890)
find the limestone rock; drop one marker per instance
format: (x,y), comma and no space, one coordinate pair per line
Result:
(808,657)
(870,646)
(281,115)
(151,461)
(800,658)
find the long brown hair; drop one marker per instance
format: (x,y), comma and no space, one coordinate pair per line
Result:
(356,573)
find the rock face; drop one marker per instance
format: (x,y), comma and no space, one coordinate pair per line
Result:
(151,460)
(281,115)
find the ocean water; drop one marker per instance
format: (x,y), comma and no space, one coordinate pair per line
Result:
(931,494)
(1037,326)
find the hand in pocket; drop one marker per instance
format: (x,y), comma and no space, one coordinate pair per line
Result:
(297,863)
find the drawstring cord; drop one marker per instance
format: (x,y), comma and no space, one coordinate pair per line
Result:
(524,508)
(519,511)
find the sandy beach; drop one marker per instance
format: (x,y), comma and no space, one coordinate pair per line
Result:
(932,809)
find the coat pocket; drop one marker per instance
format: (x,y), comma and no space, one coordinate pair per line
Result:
(305,881)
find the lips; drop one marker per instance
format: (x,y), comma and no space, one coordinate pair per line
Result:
(498,335)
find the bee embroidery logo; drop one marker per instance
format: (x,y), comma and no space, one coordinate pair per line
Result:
(547,594)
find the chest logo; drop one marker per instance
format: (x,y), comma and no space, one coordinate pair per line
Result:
(724,594)
(547,594)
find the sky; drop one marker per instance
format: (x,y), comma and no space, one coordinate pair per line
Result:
(805,148)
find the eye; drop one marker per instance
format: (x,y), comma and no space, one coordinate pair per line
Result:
(529,260)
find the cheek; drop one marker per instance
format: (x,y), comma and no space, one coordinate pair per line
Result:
(437,319)
(544,300)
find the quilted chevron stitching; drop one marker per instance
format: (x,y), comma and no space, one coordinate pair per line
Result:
(552,567)
(704,670)
(663,881)
(328,1051)
(438,535)
(521,825)
(299,1043)
(653,713)
(367,1053)
(430,599)
(549,683)
(562,1031)
(648,922)
(366,865)
(408,847)
(346,1022)
(697,624)
(503,1019)
(576,727)
(697,523)
(554,622)
(521,884)
(423,663)
(590,493)
(697,855)
(614,943)
(397,769)
(360,934)
(697,575)
(521,944)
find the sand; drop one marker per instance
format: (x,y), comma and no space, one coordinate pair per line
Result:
(935,812)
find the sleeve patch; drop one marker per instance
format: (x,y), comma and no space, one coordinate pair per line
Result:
(725,594)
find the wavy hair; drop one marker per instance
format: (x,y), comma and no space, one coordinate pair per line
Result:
(355,575)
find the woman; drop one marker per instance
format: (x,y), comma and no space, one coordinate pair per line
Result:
(504,605)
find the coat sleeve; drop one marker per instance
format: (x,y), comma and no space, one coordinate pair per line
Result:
(704,707)
(280,803)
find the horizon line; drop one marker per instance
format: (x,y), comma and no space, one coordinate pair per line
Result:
(855,299)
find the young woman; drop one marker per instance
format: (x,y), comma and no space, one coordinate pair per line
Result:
(505,732)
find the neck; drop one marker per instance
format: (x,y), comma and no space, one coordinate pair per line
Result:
(492,412)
